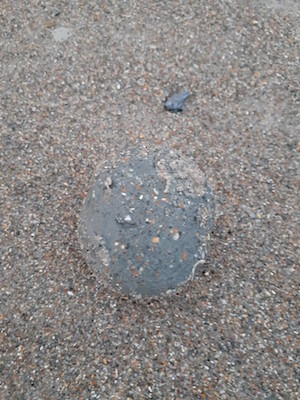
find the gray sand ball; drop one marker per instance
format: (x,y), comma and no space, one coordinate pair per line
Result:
(145,224)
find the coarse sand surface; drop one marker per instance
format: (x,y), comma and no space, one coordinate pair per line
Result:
(80,81)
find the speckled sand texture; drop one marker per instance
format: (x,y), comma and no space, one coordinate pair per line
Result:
(81,81)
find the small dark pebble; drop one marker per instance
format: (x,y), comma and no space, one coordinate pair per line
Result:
(175,103)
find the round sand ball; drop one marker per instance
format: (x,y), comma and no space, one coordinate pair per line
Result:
(145,224)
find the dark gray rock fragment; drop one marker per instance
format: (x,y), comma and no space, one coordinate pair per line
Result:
(175,103)
(146,222)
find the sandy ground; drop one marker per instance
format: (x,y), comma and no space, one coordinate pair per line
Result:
(80,82)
